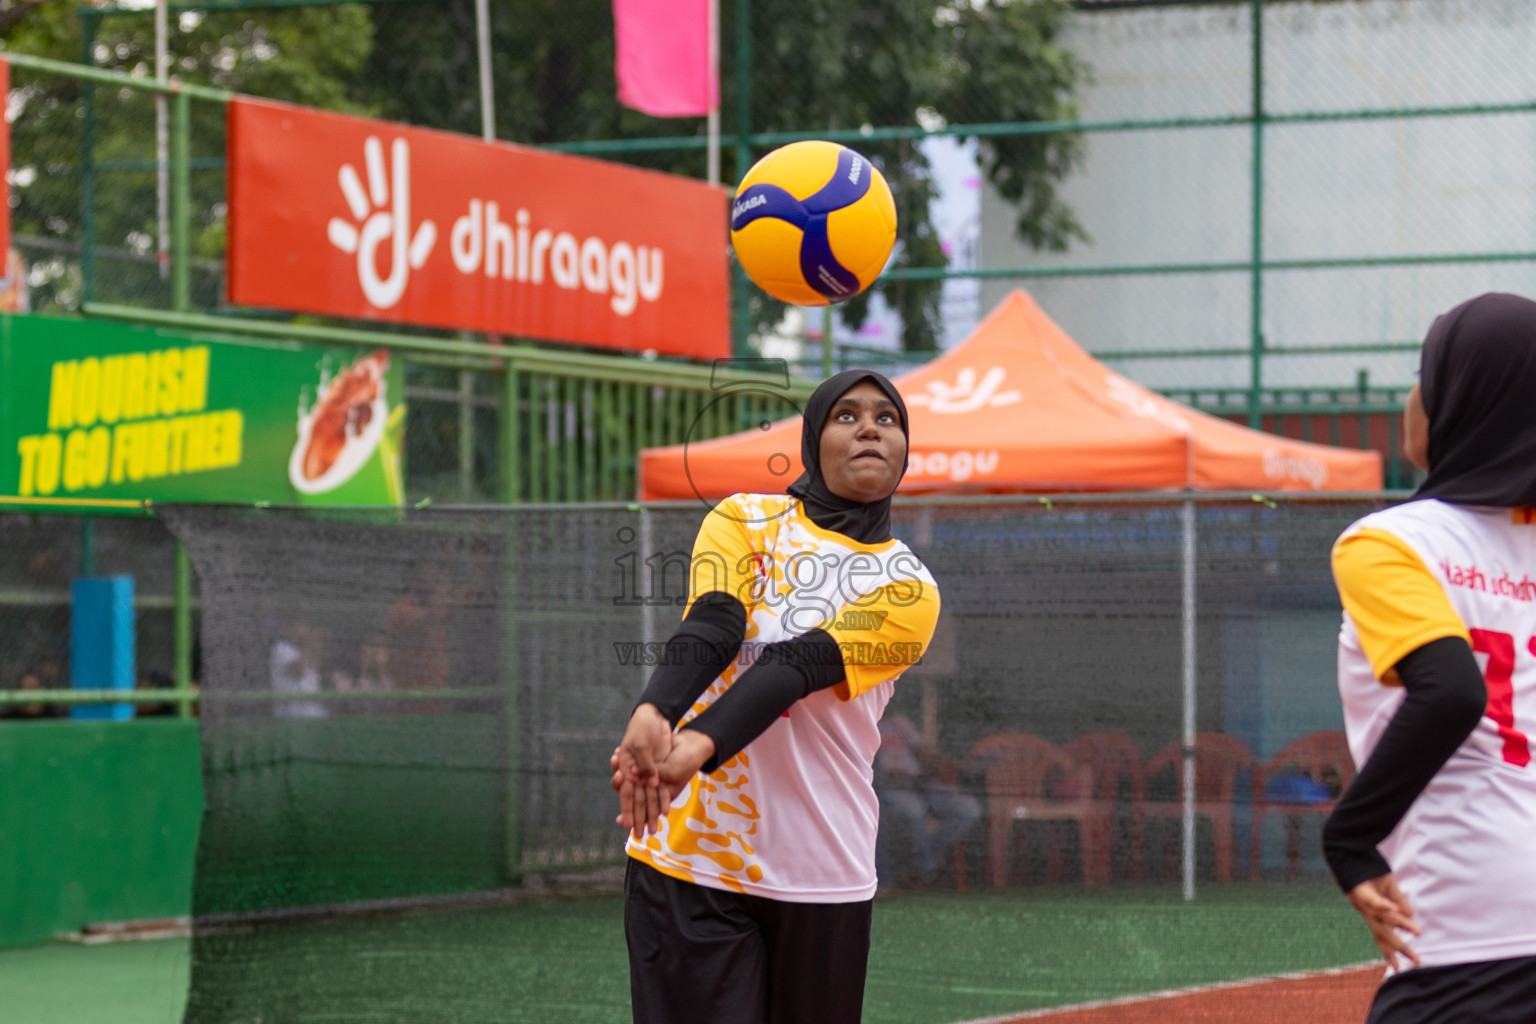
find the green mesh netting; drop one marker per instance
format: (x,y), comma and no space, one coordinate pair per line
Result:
(407,715)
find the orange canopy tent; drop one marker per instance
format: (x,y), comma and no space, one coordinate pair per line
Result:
(1020,407)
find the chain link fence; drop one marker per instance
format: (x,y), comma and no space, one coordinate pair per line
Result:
(1280,197)
(1388,184)
(473,668)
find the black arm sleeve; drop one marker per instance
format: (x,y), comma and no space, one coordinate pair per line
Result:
(782,674)
(1445,700)
(700,649)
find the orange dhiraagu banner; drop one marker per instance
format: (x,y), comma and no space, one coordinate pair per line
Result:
(358,218)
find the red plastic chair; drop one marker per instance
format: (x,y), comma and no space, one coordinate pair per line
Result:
(1111,757)
(1321,758)
(1218,760)
(1019,766)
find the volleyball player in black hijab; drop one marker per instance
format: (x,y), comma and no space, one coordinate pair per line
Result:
(865,469)
(1423,584)
(1477,393)
(866,521)
(748,897)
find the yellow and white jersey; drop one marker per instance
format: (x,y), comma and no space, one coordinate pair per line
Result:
(793,816)
(1465,854)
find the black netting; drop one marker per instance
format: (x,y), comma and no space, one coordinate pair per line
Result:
(407,717)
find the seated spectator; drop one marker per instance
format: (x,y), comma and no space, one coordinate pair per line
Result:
(155,679)
(372,675)
(373,665)
(923,812)
(294,668)
(32,680)
(415,645)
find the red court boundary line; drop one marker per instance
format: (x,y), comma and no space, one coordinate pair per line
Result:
(1348,984)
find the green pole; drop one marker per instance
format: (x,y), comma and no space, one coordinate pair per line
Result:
(1362,390)
(535,446)
(741,313)
(743,87)
(467,435)
(638,419)
(1256,274)
(826,341)
(610,425)
(183,632)
(587,432)
(1393,469)
(509,450)
(511,719)
(180,182)
(570,416)
(181,201)
(510,445)
(547,428)
(88,25)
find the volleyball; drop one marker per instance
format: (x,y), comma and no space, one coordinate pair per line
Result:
(813,223)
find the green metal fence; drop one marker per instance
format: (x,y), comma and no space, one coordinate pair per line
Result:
(40,554)
(86,208)
(1281,194)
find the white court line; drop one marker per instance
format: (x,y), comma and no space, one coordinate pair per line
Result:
(1009,1018)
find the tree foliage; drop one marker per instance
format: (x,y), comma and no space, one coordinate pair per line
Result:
(305,55)
(815,65)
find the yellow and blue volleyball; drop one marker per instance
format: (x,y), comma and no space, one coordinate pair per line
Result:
(813,223)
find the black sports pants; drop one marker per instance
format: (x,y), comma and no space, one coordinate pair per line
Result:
(1492,992)
(705,956)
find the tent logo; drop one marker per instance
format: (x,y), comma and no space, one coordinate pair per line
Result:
(957,466)
(1144,404)
(383,211)
(1281,466)
(967,394)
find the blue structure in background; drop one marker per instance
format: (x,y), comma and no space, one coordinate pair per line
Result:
(101,643)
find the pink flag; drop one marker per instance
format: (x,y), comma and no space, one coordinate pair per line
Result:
(663,57)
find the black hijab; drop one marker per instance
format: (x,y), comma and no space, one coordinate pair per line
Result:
(865,522)
(1477,377)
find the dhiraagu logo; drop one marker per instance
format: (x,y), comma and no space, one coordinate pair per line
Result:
(967,393)
(128,418)
(380,233)
(480,242)
(382,213)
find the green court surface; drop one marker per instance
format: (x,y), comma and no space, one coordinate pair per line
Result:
(119,983)
(937,957)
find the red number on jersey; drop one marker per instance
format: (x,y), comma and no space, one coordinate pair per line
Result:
(1499,677)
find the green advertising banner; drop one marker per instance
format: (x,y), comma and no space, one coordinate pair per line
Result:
(94,411)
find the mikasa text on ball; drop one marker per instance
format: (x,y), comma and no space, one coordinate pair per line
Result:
(813,223)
